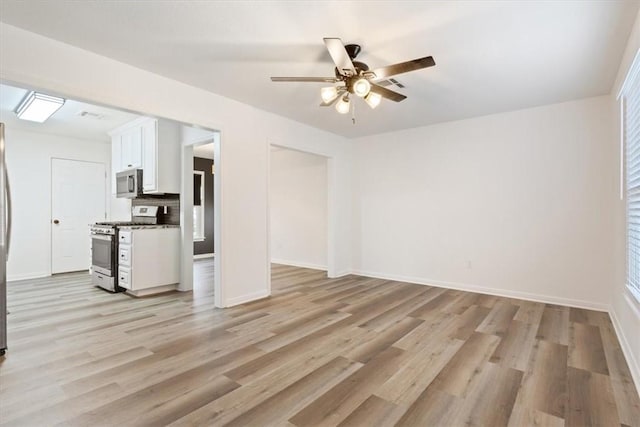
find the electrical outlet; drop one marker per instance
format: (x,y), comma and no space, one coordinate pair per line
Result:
(469,264)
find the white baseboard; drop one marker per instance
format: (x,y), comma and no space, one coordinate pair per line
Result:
(299,264)
(13,277)
(203,256)
(152,291)
(339,274)
(634,364)
(243,299)
(547,299)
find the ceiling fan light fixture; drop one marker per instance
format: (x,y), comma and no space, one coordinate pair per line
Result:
(361,87)
(328,94)
(373,99)
(344,105)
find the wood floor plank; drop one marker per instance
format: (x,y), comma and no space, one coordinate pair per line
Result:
(515,348)
(459,375)
(491,401)
(544,385)
(529,312)
(432,408)
(383,340)
(413,377)
(499,319)
(554,325)
(336,404)
(523,416)
(373,412)
(320,351)
(281,406)
(585,348)
(468,321)
(441,297)
(591,399)
(61,412)
(620,375)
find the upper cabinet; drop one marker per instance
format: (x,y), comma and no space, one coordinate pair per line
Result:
(131,148)
(152,145)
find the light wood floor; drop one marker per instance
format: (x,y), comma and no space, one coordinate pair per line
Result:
(349,351)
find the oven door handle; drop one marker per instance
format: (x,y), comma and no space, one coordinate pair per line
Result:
(101,237)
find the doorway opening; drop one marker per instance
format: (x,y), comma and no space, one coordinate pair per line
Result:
(200,203)
(299,206)
(203,219)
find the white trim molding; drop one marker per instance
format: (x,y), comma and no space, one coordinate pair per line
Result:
(339,274)
(203,256)
(28,276)
(547,299)
(231,302)
(300,264)
(632,362)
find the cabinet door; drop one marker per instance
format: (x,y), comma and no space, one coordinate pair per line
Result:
(150,156)
(131,143)
(116,160)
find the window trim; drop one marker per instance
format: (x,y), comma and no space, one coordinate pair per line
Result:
(632,75)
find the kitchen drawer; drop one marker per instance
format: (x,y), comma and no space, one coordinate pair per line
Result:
(124,237)
(124,256)
(124,277)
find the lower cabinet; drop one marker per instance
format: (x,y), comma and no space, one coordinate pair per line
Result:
(148,258)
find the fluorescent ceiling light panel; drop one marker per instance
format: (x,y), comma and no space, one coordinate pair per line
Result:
(37,107)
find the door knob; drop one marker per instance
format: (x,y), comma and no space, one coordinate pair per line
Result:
(55,221)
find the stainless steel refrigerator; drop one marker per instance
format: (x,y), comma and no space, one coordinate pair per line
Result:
(5,240)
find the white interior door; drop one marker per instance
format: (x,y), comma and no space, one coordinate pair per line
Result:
(78,191)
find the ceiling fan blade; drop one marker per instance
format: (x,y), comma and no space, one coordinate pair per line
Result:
(305,79)
(386,93)
(340,56)
(404,67)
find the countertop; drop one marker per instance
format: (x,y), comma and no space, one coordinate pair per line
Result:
(147,226)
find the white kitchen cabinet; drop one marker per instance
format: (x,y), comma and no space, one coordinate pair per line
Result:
(149,259)
(131,148)
(152,145)
(150,156)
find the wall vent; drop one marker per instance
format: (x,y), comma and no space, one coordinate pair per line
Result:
(390,82)
(91,115)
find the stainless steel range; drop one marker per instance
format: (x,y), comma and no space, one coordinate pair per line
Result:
(104,246)
(104,266)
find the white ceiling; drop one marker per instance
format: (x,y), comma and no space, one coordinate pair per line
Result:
(491,56)
(66,121)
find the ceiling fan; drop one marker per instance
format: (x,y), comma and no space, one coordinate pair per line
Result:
(356,78)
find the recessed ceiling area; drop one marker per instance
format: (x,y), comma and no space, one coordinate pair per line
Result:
(490,56)
(74,119)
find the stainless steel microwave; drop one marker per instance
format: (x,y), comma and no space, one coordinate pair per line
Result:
(129,183)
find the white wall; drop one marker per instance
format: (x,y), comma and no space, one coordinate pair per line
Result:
(35,61)
(513,204)
(625,309)
(29,157)
(298,208)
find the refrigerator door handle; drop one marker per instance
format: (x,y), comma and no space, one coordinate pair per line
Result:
(9,208)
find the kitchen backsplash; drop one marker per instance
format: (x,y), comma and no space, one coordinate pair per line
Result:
(171,201)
